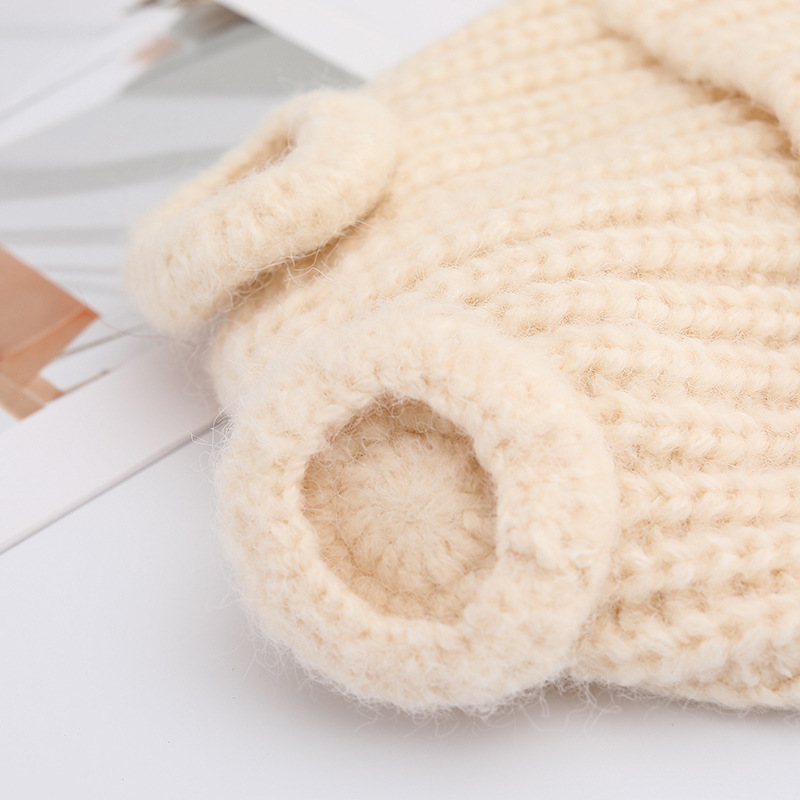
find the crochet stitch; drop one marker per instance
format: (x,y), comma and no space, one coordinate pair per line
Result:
(510,339)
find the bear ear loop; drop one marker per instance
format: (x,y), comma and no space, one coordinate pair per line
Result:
(316,166)
(556,501)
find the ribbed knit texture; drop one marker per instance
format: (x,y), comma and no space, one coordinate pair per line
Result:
(511,344)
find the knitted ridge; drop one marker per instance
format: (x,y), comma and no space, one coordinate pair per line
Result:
(510,339)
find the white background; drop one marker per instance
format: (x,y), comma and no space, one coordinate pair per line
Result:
(127,668)
(35,34)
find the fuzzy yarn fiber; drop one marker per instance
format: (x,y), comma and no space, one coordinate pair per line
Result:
(510,339)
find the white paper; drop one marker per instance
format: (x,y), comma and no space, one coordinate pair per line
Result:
(90,439)
(361,36)
(82,78)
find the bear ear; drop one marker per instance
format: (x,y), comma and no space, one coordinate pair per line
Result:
(316,166)
(747,46)
(514,613)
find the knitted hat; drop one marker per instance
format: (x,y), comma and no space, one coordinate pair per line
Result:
(511,346)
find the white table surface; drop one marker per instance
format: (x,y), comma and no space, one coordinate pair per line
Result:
(127,668)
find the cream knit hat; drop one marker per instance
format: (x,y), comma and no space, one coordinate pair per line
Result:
(511,346)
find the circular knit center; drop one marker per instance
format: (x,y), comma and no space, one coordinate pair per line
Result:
(404,512)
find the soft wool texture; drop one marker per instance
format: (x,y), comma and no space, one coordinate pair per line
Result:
(511,343)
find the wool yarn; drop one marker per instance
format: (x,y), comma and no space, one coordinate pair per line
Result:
(510,340)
